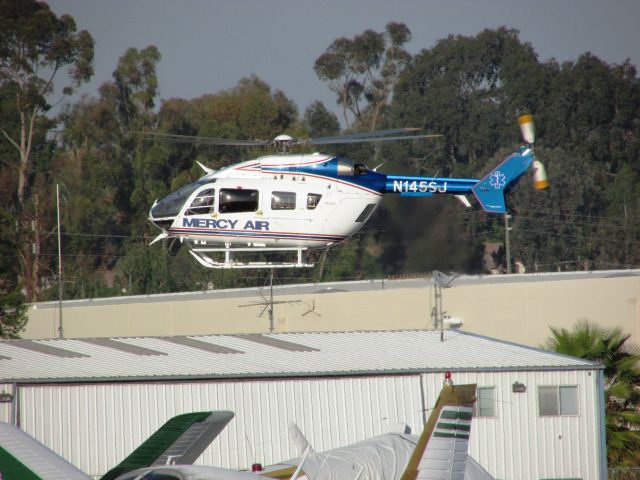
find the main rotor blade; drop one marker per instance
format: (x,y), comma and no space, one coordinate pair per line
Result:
(371,134)
(337,140)
(195,140)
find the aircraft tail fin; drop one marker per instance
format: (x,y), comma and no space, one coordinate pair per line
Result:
(22,457)
(181,440)
(441,452)
(490,190)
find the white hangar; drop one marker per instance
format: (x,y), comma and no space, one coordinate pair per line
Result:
(93,400)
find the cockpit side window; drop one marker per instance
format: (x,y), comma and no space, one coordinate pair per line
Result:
(237,200)
(203,203)
(313,199)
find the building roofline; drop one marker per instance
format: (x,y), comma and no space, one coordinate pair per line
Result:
(341,287)
(293,375)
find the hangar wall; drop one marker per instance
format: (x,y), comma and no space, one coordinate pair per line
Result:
(519,308)
(94,426)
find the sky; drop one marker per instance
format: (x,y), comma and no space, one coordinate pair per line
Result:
(209,45)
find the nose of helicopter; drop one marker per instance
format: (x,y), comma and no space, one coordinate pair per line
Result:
(164,212)
(162,216)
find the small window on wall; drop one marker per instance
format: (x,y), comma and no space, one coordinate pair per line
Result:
(203,203)
(283,201)
(485,405)
(313,199)
(237,200)
(558,400)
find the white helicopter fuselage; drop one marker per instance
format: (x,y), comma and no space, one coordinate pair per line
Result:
(273,201)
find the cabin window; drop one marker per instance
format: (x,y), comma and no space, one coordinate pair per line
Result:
(485,405)
(283,200)
(203,203)
(234,200)
(558,400)
(313,199)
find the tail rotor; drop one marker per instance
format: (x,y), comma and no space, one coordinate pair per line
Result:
(528,131)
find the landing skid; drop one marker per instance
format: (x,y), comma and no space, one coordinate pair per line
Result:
(200,254)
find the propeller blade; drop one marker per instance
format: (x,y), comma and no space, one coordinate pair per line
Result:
(338,140)
(540,180)
(195,140)
(371,134)
(527,128)
(388,135)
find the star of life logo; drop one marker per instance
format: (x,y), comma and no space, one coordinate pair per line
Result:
(497,180)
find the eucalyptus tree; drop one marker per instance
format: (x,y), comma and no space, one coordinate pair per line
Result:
(35,47)
(39,51)
(362,72)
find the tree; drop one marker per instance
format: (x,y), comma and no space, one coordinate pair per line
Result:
(470,90)
(622,383)
(35,46)
(365,67)
(13,310)
(319,121)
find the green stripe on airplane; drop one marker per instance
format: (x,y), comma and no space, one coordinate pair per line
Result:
(454,426)
(156,444)
(453,414)
(13,469)
(461,435)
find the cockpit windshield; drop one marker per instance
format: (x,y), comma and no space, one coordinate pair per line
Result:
(171,205)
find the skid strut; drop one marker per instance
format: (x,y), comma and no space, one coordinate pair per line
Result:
(200,254)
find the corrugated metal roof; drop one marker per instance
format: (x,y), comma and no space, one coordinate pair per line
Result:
(316,354)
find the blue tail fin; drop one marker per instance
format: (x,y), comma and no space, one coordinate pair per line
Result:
(490,190)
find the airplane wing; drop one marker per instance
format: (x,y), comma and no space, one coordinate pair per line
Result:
(181,441)
(22,457)
(440,453)
(443,445)
(377,458)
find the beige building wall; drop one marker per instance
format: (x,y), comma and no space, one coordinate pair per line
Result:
(518,308)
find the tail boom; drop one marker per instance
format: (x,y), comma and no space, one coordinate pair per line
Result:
(489,191)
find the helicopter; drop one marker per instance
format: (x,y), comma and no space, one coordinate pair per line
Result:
(292,203)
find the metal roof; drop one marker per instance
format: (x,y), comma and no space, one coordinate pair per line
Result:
(268,355)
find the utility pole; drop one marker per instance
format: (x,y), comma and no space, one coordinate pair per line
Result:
(506,241)
(271,326)
(60,329)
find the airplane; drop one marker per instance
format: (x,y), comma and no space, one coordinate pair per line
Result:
(439,453)
(295,202)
